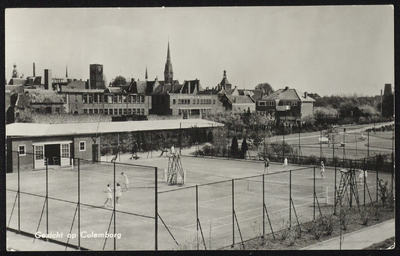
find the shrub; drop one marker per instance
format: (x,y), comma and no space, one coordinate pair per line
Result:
(312,159)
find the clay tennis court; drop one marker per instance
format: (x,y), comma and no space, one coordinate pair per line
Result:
(218,218)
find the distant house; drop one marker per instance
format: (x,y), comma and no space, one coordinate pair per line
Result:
(286,104)
(238,103)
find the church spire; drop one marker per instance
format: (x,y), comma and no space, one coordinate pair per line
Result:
(145,76)
(168,72)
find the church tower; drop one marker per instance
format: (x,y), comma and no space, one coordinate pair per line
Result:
(168,73)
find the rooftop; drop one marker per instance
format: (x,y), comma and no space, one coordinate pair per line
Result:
(41,130)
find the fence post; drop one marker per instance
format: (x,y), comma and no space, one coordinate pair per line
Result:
(368,146)
(365,169)
(156,209)
(115,231)
(334,163)
(290,199)
(79,204)
(233,212)
(197,217)
(263,197)
(19,194)
(314,196)
(47,195)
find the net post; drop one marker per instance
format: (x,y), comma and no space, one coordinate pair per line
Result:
(314,196)
(79,203)
(156,209)
(19,194)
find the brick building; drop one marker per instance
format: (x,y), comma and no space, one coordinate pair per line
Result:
(286,104)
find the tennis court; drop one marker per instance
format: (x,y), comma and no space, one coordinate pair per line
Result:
(233,201)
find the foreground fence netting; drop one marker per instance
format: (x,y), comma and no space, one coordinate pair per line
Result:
(207,216)
(66,205)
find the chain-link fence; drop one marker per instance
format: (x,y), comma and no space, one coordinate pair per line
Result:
(76,206)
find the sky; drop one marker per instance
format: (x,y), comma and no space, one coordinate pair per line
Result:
(328,50)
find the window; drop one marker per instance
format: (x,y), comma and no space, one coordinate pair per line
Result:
(57,110)
(115,111)
(133,111)
(110,111)
(85,111)
(39,152)
(84,98)
(213,101)
(125,111)
(123,98)
(64,150)
(120,111)
(129,111)
(133,98)
(110,99)
(21,150)
(129,98)
(90,98)
(197,101)
(194,101)
(174,101)
(100,111)
(101,96)
(261,103)
(188,101)
(96,111)
(294,103)
(142,111)
(82,146)
(141,98)
(95,98)
(271,103)
(90,111)
(119,98)
(115,99)
(106,111)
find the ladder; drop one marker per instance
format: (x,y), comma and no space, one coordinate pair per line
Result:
(174,170)
(347,179)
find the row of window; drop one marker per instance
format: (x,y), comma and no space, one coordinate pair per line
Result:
(46,110)
(272,103)
(115,111)
(194,101)
(39,150)
(119,98)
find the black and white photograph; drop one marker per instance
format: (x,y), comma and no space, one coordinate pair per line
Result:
(251,128)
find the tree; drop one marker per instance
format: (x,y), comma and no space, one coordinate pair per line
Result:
(245,147)
(234,147)
(265,87)
(119,80)
(332,134)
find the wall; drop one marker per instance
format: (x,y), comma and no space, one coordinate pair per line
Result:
(240,108)
(87,154)
(307,108)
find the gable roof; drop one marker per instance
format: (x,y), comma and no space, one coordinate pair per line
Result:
(241,99)
(288,94)
(163,88)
